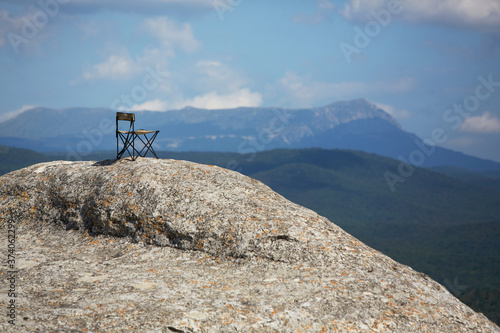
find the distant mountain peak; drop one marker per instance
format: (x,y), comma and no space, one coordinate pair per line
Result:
(357,109)
(356,124)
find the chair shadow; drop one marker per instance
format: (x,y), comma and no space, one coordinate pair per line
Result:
(105,162)
(113,161)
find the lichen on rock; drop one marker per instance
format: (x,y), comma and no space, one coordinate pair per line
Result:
(141,232)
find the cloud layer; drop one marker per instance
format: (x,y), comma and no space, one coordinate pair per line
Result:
(114,67)
(305,92)
(218,86)
(156,7)
(486,123)
(481,15)
(171,34)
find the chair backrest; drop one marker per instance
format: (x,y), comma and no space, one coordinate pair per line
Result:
(130,117)
(125,116)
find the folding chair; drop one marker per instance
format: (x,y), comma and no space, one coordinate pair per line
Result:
(128,137)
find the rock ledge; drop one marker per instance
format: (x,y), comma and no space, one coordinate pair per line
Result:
(174,246)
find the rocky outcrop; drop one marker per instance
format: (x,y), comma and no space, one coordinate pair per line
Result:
(174,246)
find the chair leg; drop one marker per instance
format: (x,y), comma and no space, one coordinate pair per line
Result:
(135,152)
(127,142)
(150,142)
(148,145)
(133,147)
(119,153)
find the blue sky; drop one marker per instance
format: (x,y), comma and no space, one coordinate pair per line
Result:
(422,61)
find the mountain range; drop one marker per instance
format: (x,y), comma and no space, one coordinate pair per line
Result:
(356,125)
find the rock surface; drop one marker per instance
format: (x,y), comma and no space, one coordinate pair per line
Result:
(174,246)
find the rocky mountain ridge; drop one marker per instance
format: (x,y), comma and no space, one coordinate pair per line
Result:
(175,246)
(46,123)
(356,125)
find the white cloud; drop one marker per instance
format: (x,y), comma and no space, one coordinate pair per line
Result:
(15,113)
(213,84)
(303,91)
(213,100)
(27,30)
(171,34)
(153,105)
(482,15)
(486,123)
(219,86)
(215,75)
(119,65)
(114,68)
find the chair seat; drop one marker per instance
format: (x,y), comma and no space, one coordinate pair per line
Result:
(141,132)
(138,132)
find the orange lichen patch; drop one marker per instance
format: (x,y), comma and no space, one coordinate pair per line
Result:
(32,210)
(95,242)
